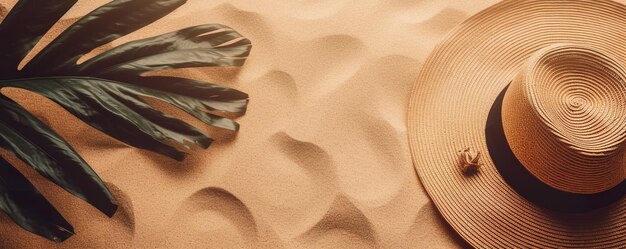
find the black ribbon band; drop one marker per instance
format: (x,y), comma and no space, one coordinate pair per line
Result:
(529,186)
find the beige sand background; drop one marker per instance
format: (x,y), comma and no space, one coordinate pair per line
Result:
(322,158)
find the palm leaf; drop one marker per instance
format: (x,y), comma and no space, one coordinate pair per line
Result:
(27,207)
(105,92)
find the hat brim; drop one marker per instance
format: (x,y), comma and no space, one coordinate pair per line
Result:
(450,104)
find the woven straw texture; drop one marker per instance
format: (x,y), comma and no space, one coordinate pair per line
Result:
(564,116)
(458,85)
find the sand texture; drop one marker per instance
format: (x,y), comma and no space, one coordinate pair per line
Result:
(321,161)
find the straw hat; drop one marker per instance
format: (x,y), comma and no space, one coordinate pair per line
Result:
(517,125)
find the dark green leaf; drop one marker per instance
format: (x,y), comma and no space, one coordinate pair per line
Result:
(116,109)
(203,45)
(107,93)
(22,28)
(28,208)
(43,149)
(196,98)
(101,26)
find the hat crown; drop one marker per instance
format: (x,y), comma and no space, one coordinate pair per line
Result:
(564,117)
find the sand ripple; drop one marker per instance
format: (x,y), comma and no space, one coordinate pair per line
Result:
(213,216)
(313,9)
(344,224)
(322,158)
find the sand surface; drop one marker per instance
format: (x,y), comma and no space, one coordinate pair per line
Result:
(322,158)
